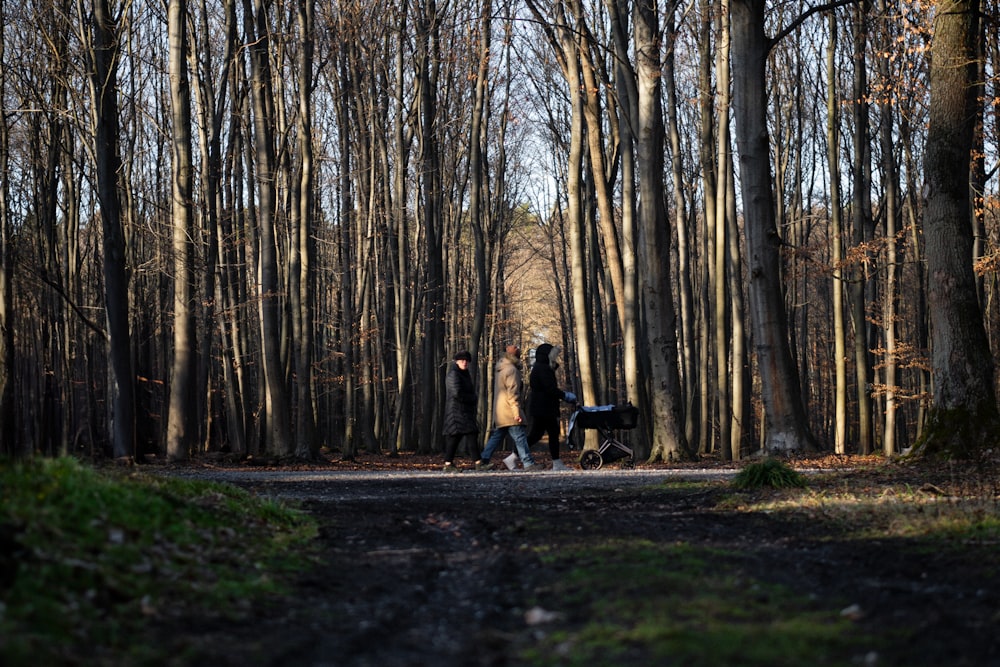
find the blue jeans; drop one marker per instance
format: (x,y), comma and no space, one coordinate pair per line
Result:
(520,443)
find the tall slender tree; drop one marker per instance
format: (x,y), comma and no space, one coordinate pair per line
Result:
(104,53)
(278,436)
(182,431)
(301,276)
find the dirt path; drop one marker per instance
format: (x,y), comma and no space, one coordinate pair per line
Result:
(431,569)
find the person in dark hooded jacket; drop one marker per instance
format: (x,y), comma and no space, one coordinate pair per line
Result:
(459,410)
(543,401)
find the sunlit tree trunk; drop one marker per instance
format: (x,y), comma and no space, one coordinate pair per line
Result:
(182,432)
(837,244)
(720,296)
(740,438)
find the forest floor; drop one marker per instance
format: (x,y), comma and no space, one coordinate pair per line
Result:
(418,567)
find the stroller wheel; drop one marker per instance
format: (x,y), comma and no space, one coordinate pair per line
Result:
(628,463)
(591,460)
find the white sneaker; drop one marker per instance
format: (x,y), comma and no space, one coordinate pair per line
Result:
(557,464)
(511,461)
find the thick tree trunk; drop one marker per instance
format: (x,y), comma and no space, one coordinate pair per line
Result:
(786,427)
(964,416)
(669,442)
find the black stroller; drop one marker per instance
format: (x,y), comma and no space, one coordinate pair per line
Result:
(606,419)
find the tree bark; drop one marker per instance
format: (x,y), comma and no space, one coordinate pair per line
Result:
(963,419)
(669,442)
(862,233)
(302,291)
(183,410)
(104,84)
(837,245)
(786,427)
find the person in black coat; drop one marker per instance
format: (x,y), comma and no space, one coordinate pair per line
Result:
(459,410)
(543,401)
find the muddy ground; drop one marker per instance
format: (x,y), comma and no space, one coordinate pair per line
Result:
(418,567)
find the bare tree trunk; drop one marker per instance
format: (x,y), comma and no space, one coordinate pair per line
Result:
(348,288)
(182,431)
(689,368)
(667,415)
(721,300)
(603,176)
(278,439)
(837,243)
(740,438)
(702,381)
(893,269)
(302,292)
(786,429)
(635,360)
(432,368)
(862,233)
(568,43)
(478,177)
(964,416)
(104,86)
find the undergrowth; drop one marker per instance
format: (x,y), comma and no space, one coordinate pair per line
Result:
(86,556)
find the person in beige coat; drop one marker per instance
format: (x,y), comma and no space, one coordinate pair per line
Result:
(508,410)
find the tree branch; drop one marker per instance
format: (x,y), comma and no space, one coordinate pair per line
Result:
(802,18)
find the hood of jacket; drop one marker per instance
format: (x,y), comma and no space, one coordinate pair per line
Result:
(542,354)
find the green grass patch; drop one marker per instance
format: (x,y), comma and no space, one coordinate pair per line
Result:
(639,602)
(86,556)
(769,473)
